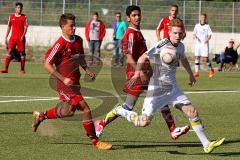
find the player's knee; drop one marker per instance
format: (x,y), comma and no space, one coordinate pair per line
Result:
(193,112)
(65,111)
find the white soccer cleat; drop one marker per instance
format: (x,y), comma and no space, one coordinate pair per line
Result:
(177,132)
(36,121)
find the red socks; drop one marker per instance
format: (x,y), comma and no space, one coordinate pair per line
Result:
(7,61)
(22,62)
(90,129)
(49,114)
(166,113)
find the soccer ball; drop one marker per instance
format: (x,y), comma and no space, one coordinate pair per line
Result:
(168,54)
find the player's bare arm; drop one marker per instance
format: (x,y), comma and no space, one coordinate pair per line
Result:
(24,32)
(8,31)
(158,35)
(138,71)
(130,60)
(88,71)
(208,38)
(51,70)
(187,67)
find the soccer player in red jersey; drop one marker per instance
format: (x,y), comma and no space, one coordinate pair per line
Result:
(164,23)
(134,46)
(18,23)
(67,55)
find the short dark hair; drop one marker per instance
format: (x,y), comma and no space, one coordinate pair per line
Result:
(64,17)
(95,13)
(204,14)
(19,4)
(174,5)
(117,13)
(131,8)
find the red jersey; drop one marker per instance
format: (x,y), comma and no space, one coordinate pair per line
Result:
(134,43)
(65,54)
(163,24)
(17,22)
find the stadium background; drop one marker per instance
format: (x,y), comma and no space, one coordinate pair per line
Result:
(43,16)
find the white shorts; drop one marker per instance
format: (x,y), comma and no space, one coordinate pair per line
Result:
(153,104)
(201,50)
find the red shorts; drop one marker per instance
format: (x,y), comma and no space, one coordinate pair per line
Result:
(139,87)
(67,93)
(13,42)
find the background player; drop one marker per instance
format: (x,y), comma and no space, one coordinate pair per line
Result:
(67,54)
(164,23)
(18,23)
(163,88)
(133,47)
(202,34)
(95,32)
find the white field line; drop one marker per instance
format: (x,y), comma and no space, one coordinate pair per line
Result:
(35,98)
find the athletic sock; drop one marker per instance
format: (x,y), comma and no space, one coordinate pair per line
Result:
(90,130)
(128,105)
(197,65)
(166,113)
(49,114)
(199,130)
(22,62)
(7,61)
(209,64)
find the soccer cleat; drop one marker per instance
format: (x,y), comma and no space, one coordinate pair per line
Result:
(177,132)
(213,145)
(22,72)
(4,71)
(99,126)
(211,73)
(36,121)
(113,112)
(103,145)
(196,74)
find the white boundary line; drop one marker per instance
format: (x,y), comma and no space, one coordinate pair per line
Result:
(35,98)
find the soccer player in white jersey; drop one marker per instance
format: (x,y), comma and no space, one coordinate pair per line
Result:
(202,34)
(163,89)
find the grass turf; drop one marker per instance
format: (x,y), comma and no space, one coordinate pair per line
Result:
(61,139)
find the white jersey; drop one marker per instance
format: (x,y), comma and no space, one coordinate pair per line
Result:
(202,32)
(164,75)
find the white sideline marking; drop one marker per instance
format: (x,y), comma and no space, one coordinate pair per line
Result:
(35,98)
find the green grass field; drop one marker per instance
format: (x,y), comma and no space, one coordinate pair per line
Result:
(61,139)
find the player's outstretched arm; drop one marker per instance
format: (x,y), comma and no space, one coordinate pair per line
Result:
(187,67)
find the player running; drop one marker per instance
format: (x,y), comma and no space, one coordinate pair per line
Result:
(133,47)
(163,89)
(202,34)
(18,23)
(67,54)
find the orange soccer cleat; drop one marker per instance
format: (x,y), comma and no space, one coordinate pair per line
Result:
(103,145)
(211,73)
